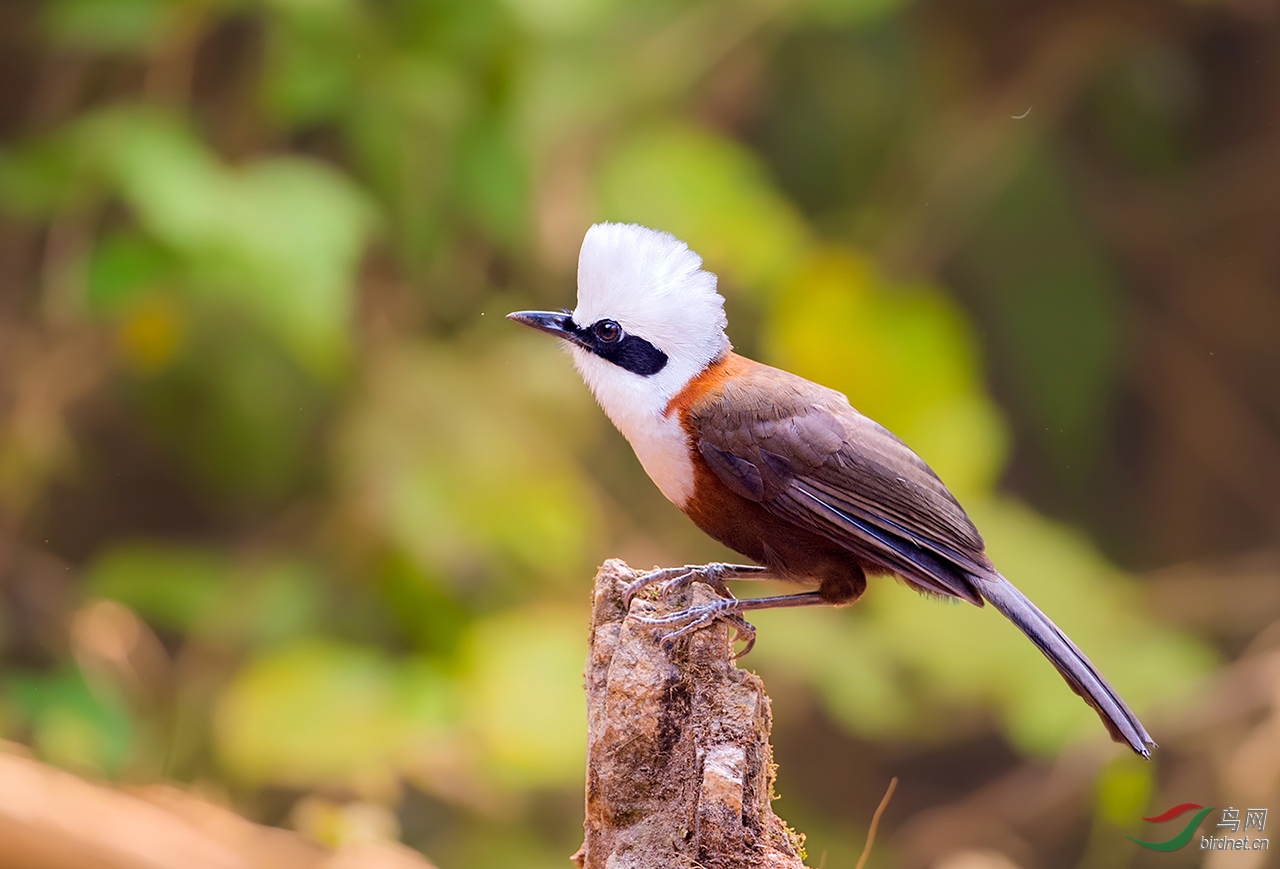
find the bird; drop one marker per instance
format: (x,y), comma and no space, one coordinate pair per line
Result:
(775,467)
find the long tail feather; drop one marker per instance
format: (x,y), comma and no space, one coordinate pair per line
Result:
(1080,674)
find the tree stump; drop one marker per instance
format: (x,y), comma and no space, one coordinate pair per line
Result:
(679,767)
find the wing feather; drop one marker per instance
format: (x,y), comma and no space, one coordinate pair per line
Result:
(804,454)
(807,456)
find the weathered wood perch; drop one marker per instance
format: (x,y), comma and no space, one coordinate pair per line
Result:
(679,766)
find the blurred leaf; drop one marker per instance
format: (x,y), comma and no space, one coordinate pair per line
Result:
(198,592)
(1054,302)
(292,238)
(72,725)
(427,89)
(841,104)
(315,11)
(1124,790)
(335,824)
(276,602)
(279,239)
(1144,106)
(311,67)
(240,414)
(523,694)
(870,699)
(42,177)
(421,603)
(461,483)
(321,713)
(559,17)
(709,191)
(838,12)
(902,354)
(112,25)
(123,267)
(151,333)
(171,586)
(492,179)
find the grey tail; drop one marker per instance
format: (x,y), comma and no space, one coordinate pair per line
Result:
(1080,674)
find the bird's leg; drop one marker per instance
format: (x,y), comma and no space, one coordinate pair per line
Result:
(742,630)
(729,610)
(675,578)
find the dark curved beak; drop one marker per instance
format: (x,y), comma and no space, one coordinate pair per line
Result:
(555,323)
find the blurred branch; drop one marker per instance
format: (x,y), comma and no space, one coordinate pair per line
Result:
(172,64)
(1196,360)
(679,766)
(44,374)
(1030,810)
(1038,807)
(1176,373)
(704,36)
(1180,595)
(970,152)
(51,819)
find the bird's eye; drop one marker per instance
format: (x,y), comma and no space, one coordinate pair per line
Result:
(608,331)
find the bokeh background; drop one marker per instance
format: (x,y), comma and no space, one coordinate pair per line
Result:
(290,516)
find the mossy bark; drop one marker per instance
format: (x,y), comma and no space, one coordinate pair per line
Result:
(679,766)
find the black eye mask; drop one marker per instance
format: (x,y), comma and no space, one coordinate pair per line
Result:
(606,339)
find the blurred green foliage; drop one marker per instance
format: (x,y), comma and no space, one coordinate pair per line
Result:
(71,723)
(393,502)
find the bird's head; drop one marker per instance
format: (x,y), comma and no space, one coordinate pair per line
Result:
(648,319)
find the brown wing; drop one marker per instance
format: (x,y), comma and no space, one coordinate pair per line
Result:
(802,452)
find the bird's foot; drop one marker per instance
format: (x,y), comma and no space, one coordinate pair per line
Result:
(671,579)
(700,616)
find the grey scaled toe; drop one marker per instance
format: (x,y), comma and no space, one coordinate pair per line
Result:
(673,579)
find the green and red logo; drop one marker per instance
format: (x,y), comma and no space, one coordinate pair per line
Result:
(1187,832)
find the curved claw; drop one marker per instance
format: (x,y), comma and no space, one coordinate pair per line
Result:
(711,574)
(673,579)
(644,580)
(697,617)
(671,586)
(745,631)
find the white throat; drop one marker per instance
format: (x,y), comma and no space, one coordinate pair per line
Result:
(637,407)
(651,285)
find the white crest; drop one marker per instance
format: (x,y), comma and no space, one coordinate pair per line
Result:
(655,288)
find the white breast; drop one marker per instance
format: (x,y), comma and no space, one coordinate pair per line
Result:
(663,449)
(636,406)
